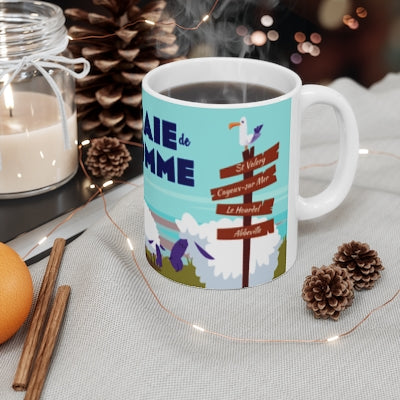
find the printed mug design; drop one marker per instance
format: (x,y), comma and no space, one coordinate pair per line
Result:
(230,231)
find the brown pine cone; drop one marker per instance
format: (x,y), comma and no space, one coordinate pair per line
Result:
(362,263)
(107,157)
(121,48)
(328,291)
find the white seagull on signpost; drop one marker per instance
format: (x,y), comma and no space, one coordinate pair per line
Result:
(246,138)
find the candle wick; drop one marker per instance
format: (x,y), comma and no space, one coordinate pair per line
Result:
(11,112)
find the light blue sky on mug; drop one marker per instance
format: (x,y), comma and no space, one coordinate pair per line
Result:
(214,146)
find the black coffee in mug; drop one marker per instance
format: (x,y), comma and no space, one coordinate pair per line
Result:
(222,92)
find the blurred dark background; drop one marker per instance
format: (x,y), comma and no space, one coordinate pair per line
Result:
(319,39)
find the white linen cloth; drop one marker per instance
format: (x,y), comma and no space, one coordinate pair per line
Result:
(117,343)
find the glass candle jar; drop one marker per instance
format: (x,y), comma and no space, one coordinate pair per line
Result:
(38,123)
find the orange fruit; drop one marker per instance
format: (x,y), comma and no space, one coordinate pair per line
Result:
(16,292)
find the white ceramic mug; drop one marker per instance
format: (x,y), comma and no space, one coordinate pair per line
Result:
(221,181)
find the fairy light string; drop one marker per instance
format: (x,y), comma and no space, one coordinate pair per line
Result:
(99,192)
(361,152)
(69,216)
(151,23)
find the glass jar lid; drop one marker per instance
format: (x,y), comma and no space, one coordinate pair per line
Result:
(28,27)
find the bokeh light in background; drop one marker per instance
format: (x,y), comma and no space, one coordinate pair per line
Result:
(358,38)
(330,13)
(316,38)
(300,37)
(273,35)
(258,38)
(361,12)
(241,30)
(320,39)
(267,21)
(296,58)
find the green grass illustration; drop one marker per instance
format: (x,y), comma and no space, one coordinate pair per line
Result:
(186,275)
(281,268)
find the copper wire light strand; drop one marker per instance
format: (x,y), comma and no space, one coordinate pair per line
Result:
(149,22)
(369,314)
(189,323)
(309,166)
(130,143)
(204,19)
(361,152)
(384,153)
(251,340)
(62,222)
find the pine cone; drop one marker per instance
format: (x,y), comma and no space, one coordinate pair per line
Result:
(362,263)
(328,291)
(107,157)
(121,48)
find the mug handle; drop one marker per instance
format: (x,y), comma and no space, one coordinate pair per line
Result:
(337,190)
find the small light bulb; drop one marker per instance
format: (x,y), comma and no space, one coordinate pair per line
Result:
(149,22)
(108,183)
(363,151)
(85,142)
(205,18)
(199,328)
(129,244)
(42,240)
(332,339)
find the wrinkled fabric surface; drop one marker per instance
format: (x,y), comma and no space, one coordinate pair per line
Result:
(116,342)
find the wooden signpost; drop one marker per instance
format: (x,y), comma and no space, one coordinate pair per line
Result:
(250,183)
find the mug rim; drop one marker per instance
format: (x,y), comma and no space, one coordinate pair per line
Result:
(167,69)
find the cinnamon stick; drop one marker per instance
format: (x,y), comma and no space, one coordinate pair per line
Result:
(42,362)
(35,331)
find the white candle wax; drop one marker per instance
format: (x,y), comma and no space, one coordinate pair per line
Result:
(32,151)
